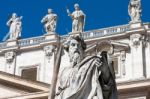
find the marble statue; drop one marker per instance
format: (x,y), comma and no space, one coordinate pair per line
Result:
(50,21)
(87,77)
(135,10)
(15,25)
(78,18)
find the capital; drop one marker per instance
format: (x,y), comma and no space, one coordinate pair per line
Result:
(135,39)
(49,50)
(9,56)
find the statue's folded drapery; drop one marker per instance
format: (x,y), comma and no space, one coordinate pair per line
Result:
(81,81)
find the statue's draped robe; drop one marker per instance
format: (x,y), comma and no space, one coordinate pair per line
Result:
(135,10)
(80,82)
(78,21)
(15,28)
(50,22)
(107,78)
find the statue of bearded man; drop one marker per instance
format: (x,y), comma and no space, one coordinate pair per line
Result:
(87,77)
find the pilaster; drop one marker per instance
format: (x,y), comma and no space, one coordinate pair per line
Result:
(10,66)
(49,60)
(136,45)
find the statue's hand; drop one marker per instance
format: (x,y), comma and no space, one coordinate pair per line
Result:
(68,11)
(21,17)
(98,62)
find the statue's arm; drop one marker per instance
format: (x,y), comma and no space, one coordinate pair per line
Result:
(9,22)
(70,14)
(129,9)
(55,17)
(43,19)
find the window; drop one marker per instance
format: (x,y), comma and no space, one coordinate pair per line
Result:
(115,65)
(29,73)
(115,62)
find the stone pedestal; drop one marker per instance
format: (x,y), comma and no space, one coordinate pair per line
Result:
(75,33)
(51,35)
(134,25)
(12,42)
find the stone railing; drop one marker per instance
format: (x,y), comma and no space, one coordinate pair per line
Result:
(3,45)
(102,32)
(31,41)
(86,35)
(105,32)
(63,38)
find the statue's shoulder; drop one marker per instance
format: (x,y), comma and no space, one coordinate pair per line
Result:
(90,57)
(81,12)
(74,12)
(54,14)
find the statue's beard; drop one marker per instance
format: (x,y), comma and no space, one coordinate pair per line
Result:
(75,58)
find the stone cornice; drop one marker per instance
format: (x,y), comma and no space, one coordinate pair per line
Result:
(133,84)
(36,95)
(18,82)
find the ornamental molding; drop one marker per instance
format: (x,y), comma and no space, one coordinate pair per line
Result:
(49,51)
(135,39)
(9,56)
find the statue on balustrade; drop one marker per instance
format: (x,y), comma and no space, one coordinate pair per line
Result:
(88,77)
(135,10)
(50,21)
(15,25)
(78,18)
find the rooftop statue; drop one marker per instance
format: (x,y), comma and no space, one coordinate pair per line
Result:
(50,21)
(15,25)
(87,77)
(135,10)
(78,18)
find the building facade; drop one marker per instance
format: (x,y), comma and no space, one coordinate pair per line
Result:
(129,52)
(26,65)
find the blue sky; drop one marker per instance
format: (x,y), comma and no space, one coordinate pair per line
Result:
(99,14)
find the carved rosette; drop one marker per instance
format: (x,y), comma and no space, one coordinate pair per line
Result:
(49,50)
(135,39)
(9,56)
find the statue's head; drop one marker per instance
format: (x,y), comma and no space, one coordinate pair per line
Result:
(76,6)
(50,10)
(75,46)
(14,15)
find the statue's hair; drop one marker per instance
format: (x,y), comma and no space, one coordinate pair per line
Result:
(76,5)
(78,38)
